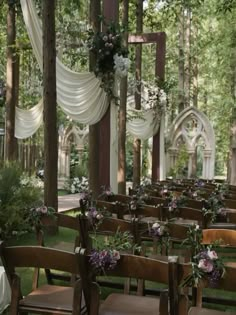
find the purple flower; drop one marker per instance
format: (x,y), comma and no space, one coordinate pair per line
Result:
(104,260)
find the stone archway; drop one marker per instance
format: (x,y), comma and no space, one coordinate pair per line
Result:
(194,129)
(67,136)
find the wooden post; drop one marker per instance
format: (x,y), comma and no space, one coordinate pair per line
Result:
(160,74)
(50,106)
(110,13)
(94,185)
(10,91)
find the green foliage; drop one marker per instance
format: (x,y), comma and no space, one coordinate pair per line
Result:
(181,164)
(16,199)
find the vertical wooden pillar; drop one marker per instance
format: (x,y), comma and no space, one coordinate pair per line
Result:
(50,106)
(94,185)
(110,12)
(10,91)
(160,74)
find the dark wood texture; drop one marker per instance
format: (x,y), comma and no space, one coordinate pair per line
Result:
(50,105)
(63,300)
(10,86)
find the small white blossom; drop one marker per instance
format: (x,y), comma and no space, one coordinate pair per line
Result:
(121,65)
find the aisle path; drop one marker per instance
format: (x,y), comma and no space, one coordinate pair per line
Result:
(67,202)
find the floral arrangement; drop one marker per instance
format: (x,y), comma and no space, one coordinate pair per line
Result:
(85,200)
(106,193)
(175,202)
(106,256)
(137,201)
(206,264)
(96,215)
(111,56)
(214,206)
(36,214)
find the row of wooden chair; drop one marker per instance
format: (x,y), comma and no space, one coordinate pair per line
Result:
(52,299)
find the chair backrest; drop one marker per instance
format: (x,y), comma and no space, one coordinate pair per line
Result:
(227,282)
(64,221)
(136,267)
(37,257)
(224,236)
(107,226)
(190,214)
(117,208)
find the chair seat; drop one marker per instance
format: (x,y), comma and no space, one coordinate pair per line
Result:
(50,297)
(205,311)
(124,304)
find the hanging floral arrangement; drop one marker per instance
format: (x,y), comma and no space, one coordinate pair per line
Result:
(111,57)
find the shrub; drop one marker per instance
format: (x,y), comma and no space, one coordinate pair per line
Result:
(17,197)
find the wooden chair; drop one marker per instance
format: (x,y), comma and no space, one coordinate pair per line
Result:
(60,221)
(43,299)
(115,208)
(107,227)
(131,266)
(188,216)
(228,283)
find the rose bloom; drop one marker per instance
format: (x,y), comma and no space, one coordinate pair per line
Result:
(99,216)
(205,265)
(116,254)
(156,225)
(212,254)
(44,209)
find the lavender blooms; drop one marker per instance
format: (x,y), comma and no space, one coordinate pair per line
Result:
(104,260)
(94,215)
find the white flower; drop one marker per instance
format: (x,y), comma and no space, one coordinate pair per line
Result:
(212,254)
(116,254)
(121,65)
(72,189)
(99,216)
(156,225)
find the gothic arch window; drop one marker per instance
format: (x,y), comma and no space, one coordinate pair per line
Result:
(194,128)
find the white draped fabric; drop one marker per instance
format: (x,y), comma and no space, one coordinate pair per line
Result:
(27,122)
(144,127)
(5,290)
(78,94)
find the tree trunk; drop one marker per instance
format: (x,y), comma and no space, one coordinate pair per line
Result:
(187,78)
(50,105)
(122,113)
(95,11)
(231,176)
(181,63)
(10,88)
(195,67)
(138,76)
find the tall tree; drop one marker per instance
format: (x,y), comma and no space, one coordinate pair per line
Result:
(95,12)
(122,111)
(181,95)
(10,88)
(138,76)
(187,78)
(50,105)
